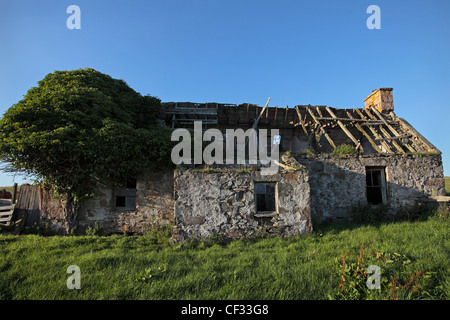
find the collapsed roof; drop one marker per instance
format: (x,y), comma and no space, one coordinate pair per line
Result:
(372,129)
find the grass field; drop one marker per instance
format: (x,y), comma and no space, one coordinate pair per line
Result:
(9,189)
(304,267)
(447,185)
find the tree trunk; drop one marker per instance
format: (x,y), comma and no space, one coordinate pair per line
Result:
(71,211)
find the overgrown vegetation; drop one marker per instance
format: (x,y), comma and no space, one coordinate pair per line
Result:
(309,151)
(447,185)
(397,282)
(341,150)
(78,129)
(94,230)
(331,263)
(344,149)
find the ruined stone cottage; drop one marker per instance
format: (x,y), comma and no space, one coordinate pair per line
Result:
(332,160)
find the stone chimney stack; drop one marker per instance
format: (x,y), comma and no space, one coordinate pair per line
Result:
(381,99)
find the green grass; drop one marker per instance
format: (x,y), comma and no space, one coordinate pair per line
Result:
(9,189)
(447,185)
(344,149)
(147,267)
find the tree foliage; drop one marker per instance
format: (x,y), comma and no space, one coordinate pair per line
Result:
(80,129)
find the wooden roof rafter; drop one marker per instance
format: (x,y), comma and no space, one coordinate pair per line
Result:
(368,137)
(347,132)
(374,132)
(395,132)
(385,133)
(302,123)
(419,141)
(319,125)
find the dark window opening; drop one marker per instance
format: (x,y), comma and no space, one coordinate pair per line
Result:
(120,201)
(125,197)
(265,197)
(375,186)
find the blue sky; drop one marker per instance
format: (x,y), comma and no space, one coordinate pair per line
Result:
(296,52)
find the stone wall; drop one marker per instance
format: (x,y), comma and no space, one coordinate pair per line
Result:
(154,206)
(202,202)
(53,212)
(222,202)
(339,183)
(155,198)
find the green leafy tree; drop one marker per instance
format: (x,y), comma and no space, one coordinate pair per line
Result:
(80,129)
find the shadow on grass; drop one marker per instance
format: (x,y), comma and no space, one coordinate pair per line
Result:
(415,214)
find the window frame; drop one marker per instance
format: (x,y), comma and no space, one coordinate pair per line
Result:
(129,192)
(382,184)
(267,213)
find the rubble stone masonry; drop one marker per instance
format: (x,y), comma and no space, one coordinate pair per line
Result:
(206,202)
(222,202)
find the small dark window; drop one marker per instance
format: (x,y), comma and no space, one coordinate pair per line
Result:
(120,201)
(126,197)
(265,197)
(375,186)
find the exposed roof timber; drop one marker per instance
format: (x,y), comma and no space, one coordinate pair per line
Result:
(420,143)
(286,114)
(322,130)
(395,132)
(389,138)
(255,124)
(302,123)
(347,132)
(191,121)
(192,111)
(368,137)
(352,120)
(385,132)
(395,138)
(375,133)
(418,135)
